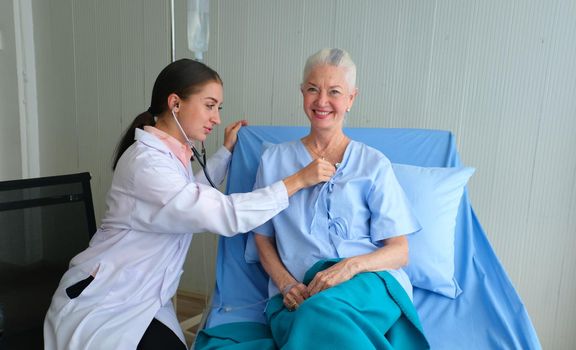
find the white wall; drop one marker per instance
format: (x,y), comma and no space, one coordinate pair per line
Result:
(10,157)
(499,74)
(96,64)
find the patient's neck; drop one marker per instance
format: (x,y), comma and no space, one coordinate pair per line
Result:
(330,146)
(324,140)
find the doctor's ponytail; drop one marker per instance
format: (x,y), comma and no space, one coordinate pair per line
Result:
(143,119)
(184,77)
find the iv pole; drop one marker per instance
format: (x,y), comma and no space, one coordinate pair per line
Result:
(199,319)
(172,33)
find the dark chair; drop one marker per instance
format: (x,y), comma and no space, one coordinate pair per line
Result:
(44,222)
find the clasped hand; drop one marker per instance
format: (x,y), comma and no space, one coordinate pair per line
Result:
(295,294)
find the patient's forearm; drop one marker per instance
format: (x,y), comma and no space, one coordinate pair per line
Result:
(393,255)
(271,262)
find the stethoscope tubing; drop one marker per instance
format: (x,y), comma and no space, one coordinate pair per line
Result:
(200,159)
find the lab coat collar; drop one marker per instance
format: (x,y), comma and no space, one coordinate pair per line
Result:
(182,151)
(151,141)
(154,142)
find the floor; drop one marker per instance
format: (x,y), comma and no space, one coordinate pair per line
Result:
(189,305)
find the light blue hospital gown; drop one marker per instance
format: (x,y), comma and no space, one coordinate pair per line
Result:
(349,215)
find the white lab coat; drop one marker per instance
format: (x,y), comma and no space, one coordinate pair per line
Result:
(155,204)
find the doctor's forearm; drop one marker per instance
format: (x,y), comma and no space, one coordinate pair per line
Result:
(319,170)
(293,184)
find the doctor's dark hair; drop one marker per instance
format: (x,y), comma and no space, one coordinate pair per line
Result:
(183,77)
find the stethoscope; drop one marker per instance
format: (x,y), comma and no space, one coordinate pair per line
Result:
(200,159)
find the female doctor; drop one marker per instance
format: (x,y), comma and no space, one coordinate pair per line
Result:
(117,293)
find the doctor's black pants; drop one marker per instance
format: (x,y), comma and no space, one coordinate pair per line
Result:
(157,335)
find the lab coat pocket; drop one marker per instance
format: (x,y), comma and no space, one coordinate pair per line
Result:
(78,283)
(169,284)
(77,288)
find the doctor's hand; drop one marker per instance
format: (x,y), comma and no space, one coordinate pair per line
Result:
(319,170)
(332,276)
(231,133)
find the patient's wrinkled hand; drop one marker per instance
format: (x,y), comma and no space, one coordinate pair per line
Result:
(294,295)
(334,275)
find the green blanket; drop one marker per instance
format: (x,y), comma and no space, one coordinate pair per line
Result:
(370,311)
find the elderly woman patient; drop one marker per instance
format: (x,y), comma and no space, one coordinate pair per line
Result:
(335,256)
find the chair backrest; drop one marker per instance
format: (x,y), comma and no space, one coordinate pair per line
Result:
(44,222)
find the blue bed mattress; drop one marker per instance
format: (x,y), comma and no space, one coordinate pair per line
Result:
(488,314)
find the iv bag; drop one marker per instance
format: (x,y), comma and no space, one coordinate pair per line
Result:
(198,27)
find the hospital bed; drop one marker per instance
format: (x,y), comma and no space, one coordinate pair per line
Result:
(485,311)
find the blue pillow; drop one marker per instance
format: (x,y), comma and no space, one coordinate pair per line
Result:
(435,195)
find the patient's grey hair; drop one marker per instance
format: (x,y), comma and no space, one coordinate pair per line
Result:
(334,57)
